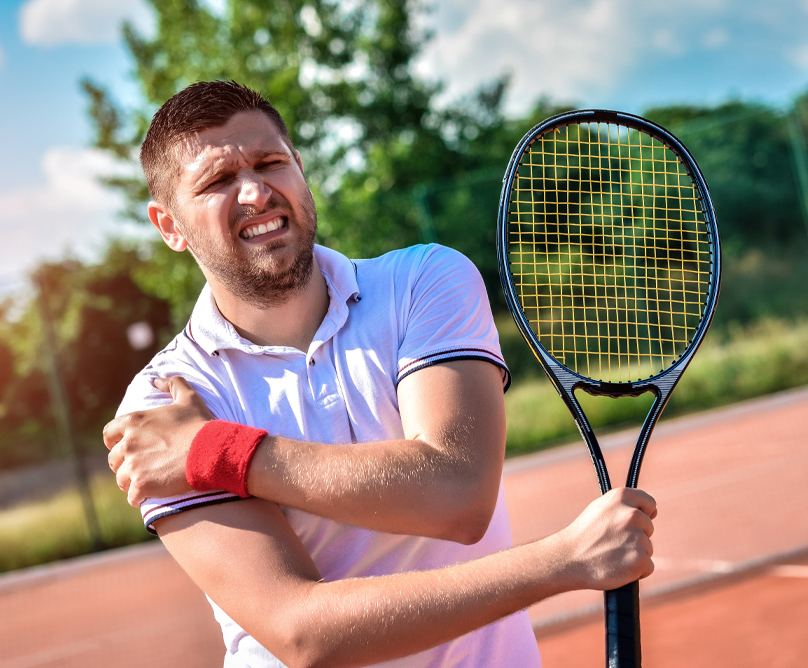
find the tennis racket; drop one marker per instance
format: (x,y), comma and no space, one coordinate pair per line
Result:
(609,258)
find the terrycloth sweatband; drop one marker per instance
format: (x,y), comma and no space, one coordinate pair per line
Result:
(220,456)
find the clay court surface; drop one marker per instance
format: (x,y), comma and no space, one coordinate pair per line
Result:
(731,551)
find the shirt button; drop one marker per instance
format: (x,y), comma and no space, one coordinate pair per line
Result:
(311,362)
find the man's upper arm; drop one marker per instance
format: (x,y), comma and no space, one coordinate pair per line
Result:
(447,316)
(245,556)
(451,380)
(141,395)
(457,408)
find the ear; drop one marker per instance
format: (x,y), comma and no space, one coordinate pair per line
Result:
(299,161)
(162,218)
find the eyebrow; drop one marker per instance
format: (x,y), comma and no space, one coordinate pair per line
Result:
(260,154)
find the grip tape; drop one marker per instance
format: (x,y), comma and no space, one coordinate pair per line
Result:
(622,608)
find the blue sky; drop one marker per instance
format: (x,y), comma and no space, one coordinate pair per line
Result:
(623,54)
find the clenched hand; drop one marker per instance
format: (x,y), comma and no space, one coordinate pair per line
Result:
(148,449)
(609,544)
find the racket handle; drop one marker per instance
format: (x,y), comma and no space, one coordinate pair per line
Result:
(623,626)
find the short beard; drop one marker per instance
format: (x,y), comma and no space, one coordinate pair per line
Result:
(254,281)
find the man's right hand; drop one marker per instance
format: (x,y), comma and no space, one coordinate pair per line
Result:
(148,449)
(609,543)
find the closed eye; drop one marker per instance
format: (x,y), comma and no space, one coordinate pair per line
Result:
(218,182)
(269,164)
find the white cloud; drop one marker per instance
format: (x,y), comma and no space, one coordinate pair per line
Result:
(589,51)
(549,47)
(54,22)
(799,56)
(667,41)
(66,210)
(715,39)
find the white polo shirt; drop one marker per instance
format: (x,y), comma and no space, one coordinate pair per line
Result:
(388,317)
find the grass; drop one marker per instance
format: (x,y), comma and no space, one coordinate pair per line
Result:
(730,366)
(55,528)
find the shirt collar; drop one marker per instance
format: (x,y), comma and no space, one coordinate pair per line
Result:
(209,329)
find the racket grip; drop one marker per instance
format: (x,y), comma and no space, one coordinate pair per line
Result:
(622,608)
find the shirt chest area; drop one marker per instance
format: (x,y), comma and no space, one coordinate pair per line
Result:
(342,391)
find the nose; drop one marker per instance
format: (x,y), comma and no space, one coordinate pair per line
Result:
(254,190)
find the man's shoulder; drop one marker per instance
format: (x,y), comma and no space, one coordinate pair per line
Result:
(181,357)
(412,262)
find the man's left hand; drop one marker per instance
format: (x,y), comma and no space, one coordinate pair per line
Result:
(148,449)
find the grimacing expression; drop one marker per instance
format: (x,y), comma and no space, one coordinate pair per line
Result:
(245,210)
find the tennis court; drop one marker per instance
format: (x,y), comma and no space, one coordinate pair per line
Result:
(730,589)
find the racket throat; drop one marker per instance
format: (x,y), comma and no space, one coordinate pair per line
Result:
(588,434)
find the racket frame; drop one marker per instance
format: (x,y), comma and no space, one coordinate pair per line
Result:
(621,605)
(566,381)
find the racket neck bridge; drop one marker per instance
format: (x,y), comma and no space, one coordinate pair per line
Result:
(614,390)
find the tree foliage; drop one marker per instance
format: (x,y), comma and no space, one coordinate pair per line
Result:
(745,152)
(91,309)
(378,152)
(388,166)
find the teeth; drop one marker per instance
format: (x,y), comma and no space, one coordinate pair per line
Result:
(263,228)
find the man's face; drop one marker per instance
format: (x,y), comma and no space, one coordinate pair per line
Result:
(245,210)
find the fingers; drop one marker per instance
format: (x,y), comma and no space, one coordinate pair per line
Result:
(133,498)
(114,431)
(176,386)
(123,480)
(128,484)
(640,500)
(635,524)
(648,570)
(115,458)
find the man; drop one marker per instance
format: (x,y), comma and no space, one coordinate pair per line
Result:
(375,531)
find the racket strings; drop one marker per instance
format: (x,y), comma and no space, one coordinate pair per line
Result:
(609,250)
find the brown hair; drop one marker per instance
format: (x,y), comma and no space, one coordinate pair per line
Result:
(200,106)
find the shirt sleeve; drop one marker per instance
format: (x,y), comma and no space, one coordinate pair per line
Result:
(448,316)
(142,395)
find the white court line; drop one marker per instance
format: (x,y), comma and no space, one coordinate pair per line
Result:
(700,565)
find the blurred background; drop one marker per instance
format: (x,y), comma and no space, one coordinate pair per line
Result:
(406,114)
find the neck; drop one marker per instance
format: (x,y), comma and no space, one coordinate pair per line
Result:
(291,324)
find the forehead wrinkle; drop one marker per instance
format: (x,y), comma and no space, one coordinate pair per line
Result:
(193,152)
(209,160)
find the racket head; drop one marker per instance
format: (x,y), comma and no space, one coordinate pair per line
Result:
(608,249)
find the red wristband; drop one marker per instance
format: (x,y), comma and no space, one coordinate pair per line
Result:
(220,456)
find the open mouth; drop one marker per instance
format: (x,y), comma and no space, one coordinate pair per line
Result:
(263,228)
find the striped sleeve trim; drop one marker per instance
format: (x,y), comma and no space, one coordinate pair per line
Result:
(157,509)
(452,355)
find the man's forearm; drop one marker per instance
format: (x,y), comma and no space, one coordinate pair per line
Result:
(277,595)
(402,486)
(441,480)
(366,621)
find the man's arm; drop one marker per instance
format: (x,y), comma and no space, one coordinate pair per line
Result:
(246,557)
(441,480)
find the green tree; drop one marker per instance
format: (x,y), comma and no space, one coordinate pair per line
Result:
(378,154)
(91,309)
(747,155)
(745,152)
